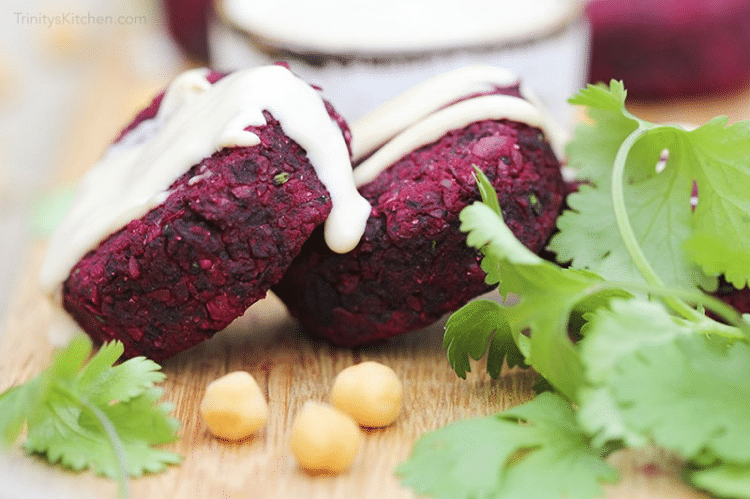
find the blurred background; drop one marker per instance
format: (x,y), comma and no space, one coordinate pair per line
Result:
(73,72)
(65,64)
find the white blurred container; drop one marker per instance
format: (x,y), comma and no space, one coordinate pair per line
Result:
(363,52)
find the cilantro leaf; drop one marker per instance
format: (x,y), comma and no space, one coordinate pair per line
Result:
(674,238)
(641,373)
(724,480)
(73,436)
(718,158)
(576,468)
(104,383)
(691,405)
(658,205)
(599,416)
(594,147)
(623,329)
(19,403)
(590,238)
(658,378)
(461,460)
(15,408)
(477,328)
(701,246)
(548,297)
(534,451)
(618,331)
(93,415)
(487,191)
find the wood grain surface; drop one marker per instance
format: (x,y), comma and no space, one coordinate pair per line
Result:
(291,368)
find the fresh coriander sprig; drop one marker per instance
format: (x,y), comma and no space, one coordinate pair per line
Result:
(639,373)
(626,230)
(682,245)
(85,412)
(533,451)
(604,374)
(550,300)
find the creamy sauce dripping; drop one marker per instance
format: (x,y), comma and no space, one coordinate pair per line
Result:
(195,120)
(381,124)
(419,116)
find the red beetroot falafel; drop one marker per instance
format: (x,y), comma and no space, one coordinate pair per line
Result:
(413,265)
(671,48)
(225,231)
(187,22)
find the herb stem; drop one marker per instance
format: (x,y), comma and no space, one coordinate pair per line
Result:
(114,440)
(718,307)
(626,229)
(117,448)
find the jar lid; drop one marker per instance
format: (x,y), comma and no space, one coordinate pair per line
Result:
(386,28)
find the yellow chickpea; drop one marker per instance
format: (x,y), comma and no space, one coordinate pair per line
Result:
(369,392)
(233,406)
(324,439)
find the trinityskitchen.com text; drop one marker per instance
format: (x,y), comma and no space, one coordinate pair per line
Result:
(74,19)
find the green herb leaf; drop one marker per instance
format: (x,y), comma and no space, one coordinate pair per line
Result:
(674,238)
(691,404)
(281,178)
(641,374)
(679,389)
(487,191)
(480,327)
(621,330)
(595,145)
(20,403)
(610,335)
(70,409)
(16,406)
(723,480)
(104,383)
(534,451)
(717,160)
(548,297)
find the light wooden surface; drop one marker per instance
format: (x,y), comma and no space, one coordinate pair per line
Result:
(291,369)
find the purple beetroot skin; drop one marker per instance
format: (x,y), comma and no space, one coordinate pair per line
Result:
(186,269)
(671,48)
(413,264)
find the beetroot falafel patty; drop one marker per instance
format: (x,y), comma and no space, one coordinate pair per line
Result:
(671,48)
(174,277)
(412,264)
(227,230)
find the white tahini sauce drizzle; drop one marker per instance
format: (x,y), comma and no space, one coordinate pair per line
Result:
(430,129)
(419,117)
(381,124)
(195,120)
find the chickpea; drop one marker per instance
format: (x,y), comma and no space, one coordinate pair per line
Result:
(233,406)
(324,439)
(369,392)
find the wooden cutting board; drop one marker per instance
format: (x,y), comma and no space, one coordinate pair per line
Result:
(290,368)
